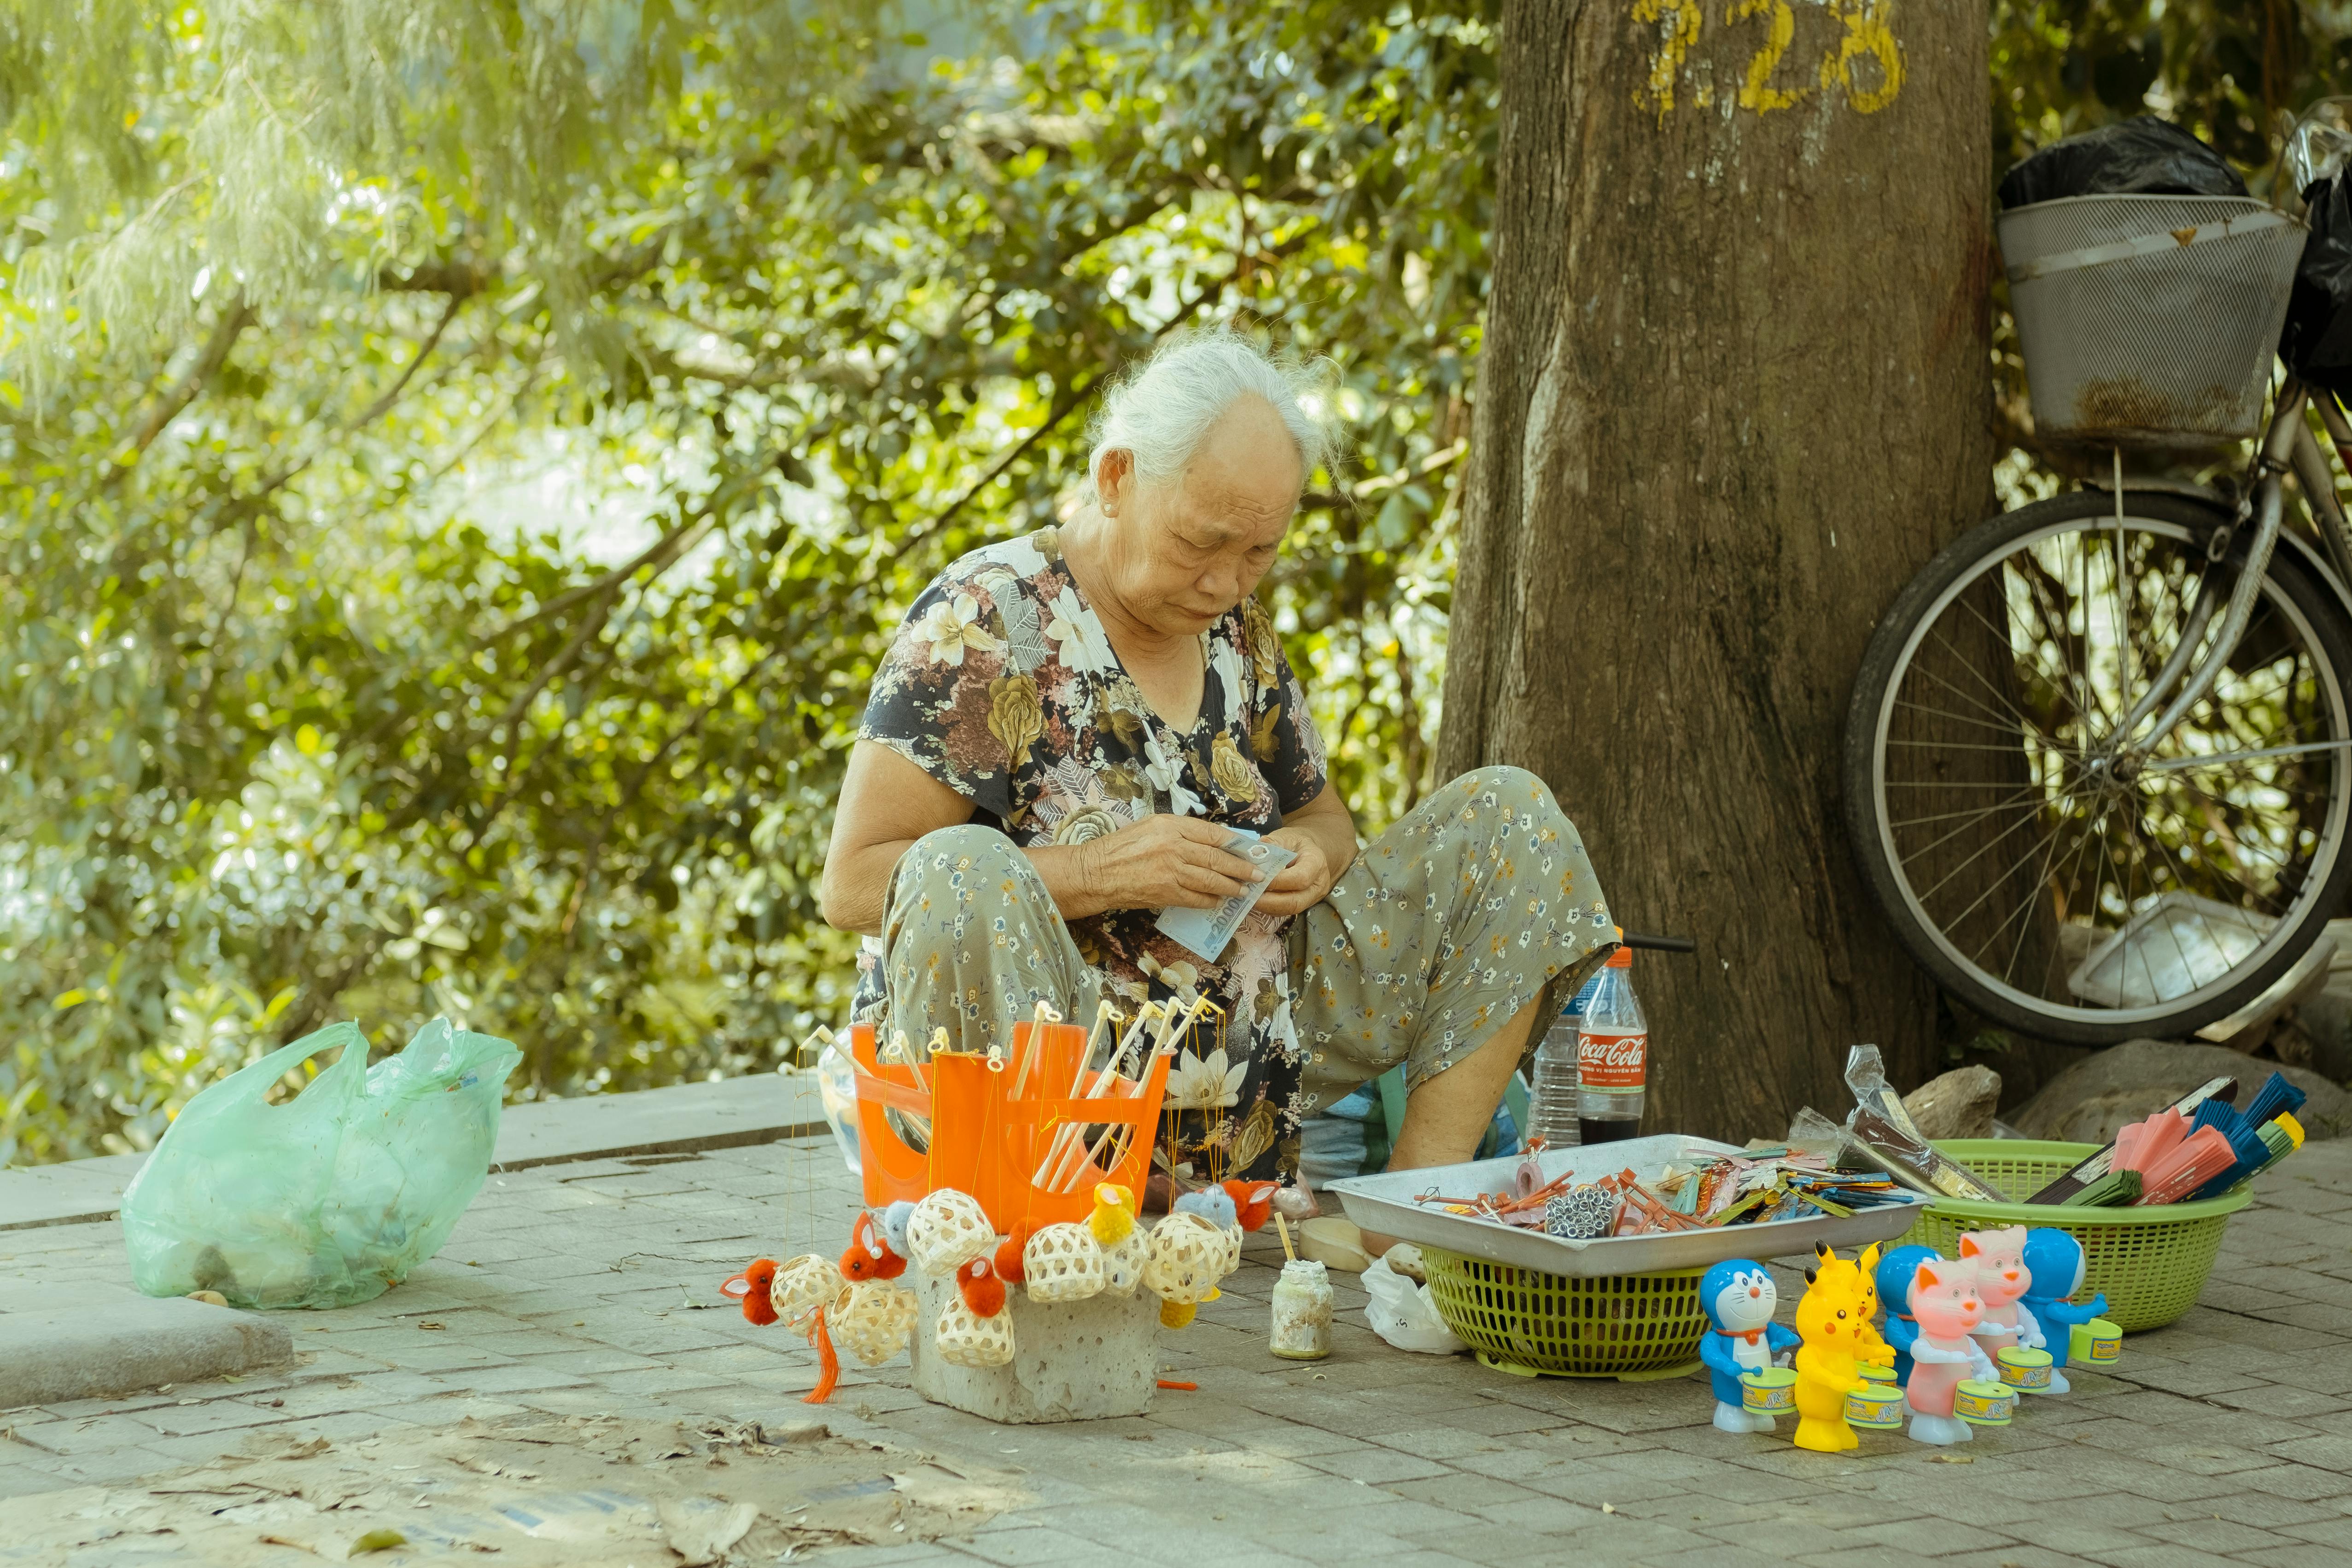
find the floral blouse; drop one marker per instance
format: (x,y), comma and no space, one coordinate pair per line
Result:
(1001,685)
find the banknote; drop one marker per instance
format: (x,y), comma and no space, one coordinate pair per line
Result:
(1206,931)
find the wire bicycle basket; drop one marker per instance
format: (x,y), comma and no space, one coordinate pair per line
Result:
(2149,321)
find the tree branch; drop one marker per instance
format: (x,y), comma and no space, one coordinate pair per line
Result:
(170,406)
(657,555)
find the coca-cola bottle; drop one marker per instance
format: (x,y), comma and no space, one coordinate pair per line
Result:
(1612,1056)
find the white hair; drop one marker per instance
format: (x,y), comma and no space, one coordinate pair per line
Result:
(1159,412)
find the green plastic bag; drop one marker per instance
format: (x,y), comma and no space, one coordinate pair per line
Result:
(331,1197)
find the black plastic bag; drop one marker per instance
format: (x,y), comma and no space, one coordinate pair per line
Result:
(2142,157)
(2316,340)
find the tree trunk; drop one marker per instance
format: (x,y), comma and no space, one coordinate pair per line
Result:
(1735,392)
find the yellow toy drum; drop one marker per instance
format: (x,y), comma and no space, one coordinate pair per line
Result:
(1875,1406)
(1770,1391)
(2027,1371)
(1883,1377)
(2097,1342)
(1983,1404)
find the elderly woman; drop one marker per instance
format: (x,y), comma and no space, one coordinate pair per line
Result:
(1066,728)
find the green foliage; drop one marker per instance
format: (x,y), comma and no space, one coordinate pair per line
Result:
(301,722)
(315,705)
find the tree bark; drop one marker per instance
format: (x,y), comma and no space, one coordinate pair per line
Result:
(1735,392)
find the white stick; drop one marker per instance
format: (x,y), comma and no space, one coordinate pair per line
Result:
(1065,1175)
(1039,1016)
(1049,1169)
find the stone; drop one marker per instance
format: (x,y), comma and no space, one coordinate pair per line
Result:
(2090,1100)
(113,1342)
(1958,1104)
(1072,1361)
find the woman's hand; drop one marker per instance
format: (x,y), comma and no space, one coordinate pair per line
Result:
(1302,883)
(1323,835)
(1161,860)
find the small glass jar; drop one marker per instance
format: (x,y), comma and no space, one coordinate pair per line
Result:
(1302,1311)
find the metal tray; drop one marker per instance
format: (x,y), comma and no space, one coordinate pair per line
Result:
(1385,1203)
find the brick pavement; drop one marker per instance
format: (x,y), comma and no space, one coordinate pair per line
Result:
(590,1287)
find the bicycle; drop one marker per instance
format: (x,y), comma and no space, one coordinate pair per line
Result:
(2095,765)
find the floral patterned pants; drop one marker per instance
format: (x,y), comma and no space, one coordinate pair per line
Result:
(1445,928)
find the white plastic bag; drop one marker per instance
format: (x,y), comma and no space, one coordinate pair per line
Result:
(1400,1313)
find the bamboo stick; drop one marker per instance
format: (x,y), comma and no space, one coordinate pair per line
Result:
(1051,1169)
(1062,1180)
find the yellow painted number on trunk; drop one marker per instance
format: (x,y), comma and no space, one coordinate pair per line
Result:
(1867,32)
(1677,23)
(1756,94)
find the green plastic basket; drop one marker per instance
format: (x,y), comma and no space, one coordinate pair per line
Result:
(2149,1262)
(1518,1319)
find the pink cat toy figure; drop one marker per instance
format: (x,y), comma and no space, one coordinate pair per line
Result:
(2002,1278)
(1944,1300)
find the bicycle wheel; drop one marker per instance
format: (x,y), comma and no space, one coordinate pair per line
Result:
(2064,880)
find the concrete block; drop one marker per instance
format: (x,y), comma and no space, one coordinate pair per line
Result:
(1072,1361)
(117,1341)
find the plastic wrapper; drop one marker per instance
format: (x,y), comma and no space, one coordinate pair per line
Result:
(2141,157)
(2316,340)
(331,1197)
(1885,1134)
(1811,1133)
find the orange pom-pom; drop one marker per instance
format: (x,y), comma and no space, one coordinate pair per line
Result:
(1008,1255)
(750,1286)
(869,1256)
(982,1291)
(1252,1201)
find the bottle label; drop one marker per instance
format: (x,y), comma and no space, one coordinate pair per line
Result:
(1612,1060)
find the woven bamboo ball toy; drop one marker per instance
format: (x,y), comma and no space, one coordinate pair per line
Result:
(1188,1254)
(947,1231)
(873,1322)
(803,1284)
(1231,1257)
(1123,1265)
(1063,1263)
(966,1339)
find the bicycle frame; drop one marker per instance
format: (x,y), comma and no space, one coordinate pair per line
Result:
(2288,445)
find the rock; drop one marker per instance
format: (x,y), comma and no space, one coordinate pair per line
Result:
(2325,1020)
(1958,1104)
(2089,1102)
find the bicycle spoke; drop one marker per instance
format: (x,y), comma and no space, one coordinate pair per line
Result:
(2011,804)
(2031,812)
(2014,796)
(2025,905)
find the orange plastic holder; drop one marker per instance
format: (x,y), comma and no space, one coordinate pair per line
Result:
(988,1144)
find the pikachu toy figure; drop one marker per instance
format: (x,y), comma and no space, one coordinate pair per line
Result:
(1833,1322)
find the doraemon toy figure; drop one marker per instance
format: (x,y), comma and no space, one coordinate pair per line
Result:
(1739,1298)
(2056,1260)
(1895,1272)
